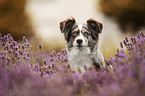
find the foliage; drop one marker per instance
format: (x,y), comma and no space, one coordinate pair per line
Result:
(27,73)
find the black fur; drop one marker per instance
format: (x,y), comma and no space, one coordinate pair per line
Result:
(95,27)
(66,27)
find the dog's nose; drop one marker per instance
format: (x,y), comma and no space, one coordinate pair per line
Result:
(79,41)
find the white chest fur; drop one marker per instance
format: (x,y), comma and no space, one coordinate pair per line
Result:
(79,58)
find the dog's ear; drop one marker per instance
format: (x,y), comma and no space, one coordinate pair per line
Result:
(67,24)
(95,27)
(66,27)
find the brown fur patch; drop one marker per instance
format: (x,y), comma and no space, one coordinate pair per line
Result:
(66,27)
(95,27)
(14,19)
(130,14)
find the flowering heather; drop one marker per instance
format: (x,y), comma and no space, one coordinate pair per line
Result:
(24,72)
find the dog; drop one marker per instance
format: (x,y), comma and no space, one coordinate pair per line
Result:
(82,44)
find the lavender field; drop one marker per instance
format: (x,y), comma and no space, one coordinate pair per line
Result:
(25,72)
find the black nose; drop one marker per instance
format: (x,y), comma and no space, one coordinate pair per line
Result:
(79,41)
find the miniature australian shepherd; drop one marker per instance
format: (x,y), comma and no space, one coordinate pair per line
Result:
(82,44)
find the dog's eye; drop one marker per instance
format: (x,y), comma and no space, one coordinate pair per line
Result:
(74,34)
(86,33)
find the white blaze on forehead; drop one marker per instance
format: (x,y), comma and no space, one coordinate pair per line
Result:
(80,27)
(80,30)
(80,36)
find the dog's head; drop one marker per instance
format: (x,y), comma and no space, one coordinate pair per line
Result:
(81,35)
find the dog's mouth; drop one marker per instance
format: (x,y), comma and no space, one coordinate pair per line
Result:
(80,46)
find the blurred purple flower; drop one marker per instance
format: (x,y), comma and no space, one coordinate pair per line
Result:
(40,47)
(51,75)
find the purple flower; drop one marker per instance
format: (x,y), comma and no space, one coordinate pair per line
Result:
(40,47)
(23,47)
(51,59)
(75,76)
(50,74)
(45,61)
(24,39)
(121,45)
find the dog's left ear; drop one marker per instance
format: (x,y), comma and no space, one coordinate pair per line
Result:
(95,27)
(67,24)
(66,27)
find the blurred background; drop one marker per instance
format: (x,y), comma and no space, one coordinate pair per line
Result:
(39,20)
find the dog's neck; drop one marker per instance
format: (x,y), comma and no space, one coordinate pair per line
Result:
(92,49)
(95,49)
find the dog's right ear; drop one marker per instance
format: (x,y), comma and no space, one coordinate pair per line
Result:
(67,24)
